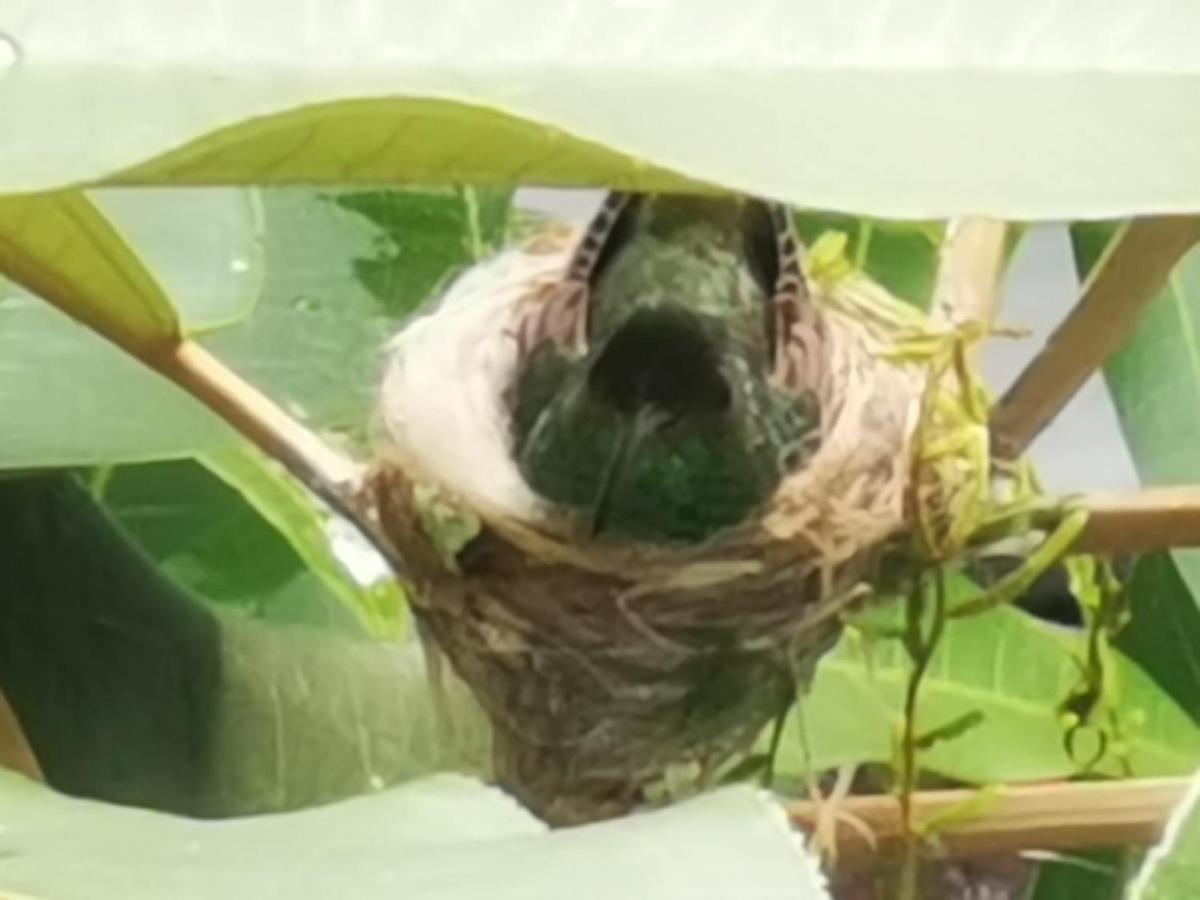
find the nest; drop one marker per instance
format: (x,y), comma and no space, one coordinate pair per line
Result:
(603,664)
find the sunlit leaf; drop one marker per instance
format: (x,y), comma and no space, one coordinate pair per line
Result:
(443,838)
(1172,868)
(63,247)
(875,107)
(1154,380)
(1010,667)
(203,247)
(340,271)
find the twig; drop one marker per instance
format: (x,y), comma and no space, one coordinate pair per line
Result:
(1138,521)
(1060,816)
(1130,275)
(331,475)
(15,752)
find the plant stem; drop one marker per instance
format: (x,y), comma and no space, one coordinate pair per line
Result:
(921,648)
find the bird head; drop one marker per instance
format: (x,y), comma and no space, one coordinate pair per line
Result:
(667,415)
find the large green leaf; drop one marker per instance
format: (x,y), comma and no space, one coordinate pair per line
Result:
(1163,635)
(343,270)
(1007,666)
(445,838)
(340,271)
(203,247)
(872,108)
(1172,869)
(81,401)
(132,690)
(1155,379)
(203,534)
(236,530)
(61,246)
(308,528)
(1098,876)
(306,717)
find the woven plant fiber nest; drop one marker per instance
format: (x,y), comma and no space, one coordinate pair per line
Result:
(603,663)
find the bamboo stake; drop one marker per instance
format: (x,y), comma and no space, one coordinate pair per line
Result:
(1140,521)
(968,276)
(1129,276)
(1059,816)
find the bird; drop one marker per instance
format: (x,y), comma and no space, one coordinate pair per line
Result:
(669,457)
(670,385)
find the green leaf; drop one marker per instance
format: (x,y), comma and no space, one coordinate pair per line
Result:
(902,256)
(307,717)
(1172,868)
(444,838)
(869,109)
(340,271)
(293,511)
(203,247)
(426,239)
(132,690)
(1163,634)
(71,390)
(1096,876)
(205,534)
(81,401)
(63,247)
(1155,379)
(1010,667)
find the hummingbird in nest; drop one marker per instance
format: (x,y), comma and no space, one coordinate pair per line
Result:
(671,382)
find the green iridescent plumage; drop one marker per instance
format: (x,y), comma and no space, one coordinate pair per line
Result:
(667,427)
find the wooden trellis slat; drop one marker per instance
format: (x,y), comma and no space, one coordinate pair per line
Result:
(1132,273)
(1054,816)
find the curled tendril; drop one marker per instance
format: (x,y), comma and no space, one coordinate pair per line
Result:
(1104,603)
(1077,712)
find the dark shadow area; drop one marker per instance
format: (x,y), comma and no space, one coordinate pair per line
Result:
(112,670)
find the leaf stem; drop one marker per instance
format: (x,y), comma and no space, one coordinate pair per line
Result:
(921,648)
(330,474)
